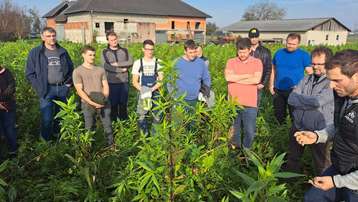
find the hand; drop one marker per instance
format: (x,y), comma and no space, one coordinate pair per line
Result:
(3,107)
(115,64)
(97,106)
(306,137)
(309,70)
(325,183)
(272,91)
(260,86)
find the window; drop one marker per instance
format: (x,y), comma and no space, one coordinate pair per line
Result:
(337,37)
(197,25)
(108,26)
(125,21)
(97,24)
(327,37)
(173,24)
(187,24)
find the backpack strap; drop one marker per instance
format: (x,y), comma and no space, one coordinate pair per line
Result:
(141,65)
(156,67)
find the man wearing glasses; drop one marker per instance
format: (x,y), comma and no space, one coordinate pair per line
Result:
(146,77)
(313,107)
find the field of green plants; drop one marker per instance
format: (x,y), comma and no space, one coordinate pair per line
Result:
(176,164)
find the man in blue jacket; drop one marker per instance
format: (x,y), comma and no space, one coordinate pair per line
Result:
(49,70)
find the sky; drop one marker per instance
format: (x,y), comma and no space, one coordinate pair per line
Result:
(226,12)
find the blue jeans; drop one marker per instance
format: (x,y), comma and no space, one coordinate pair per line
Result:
(335,194)
(118,97)
(7,123)
(49,109)
(246,118)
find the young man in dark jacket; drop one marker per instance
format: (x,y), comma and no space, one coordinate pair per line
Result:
(340,181)
(116,61)
(49,70)
(313,106)
(262,53)
(8,109)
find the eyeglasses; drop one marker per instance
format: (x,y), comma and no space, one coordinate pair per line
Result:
(318,64)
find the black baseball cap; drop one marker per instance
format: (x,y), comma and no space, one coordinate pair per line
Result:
(254,33)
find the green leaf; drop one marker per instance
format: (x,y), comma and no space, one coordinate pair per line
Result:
(208,161)
(237,194)
(4,165)
(180,189)
(247,179)
(3,183)
(144,166)
(287,175)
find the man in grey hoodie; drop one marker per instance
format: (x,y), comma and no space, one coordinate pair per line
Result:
(116,61)
(340,181)
(313,106)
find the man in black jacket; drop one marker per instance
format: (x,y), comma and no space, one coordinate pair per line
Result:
(49,70)
(340,181)
(262,53)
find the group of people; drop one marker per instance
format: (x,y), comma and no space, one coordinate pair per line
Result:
(319,90)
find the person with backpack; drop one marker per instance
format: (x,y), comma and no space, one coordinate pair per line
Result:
(146,77)
(116,60)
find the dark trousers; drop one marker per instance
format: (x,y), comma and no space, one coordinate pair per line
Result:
(90,114)
(335,194)
(7,124)
(280,105)
(320,154)
(49,109)
(118,96)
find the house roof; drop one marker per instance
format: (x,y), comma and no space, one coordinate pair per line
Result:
(286,25)
(59,11)
(140,7)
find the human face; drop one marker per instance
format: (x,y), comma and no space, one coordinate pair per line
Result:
(342,84)
(292,44)
(254,41)
(199,51)
(112,41)
(243,54)
(148,51)
(89,57)
(49,38)
(318,63)
(190,54)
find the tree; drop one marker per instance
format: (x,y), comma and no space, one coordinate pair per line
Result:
(14,21)
(211,28)
(35,20)
(264,11)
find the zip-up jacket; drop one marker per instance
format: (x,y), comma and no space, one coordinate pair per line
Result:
(37,68)
(313,103)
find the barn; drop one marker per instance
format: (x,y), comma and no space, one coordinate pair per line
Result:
(162,21)
(314,31)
